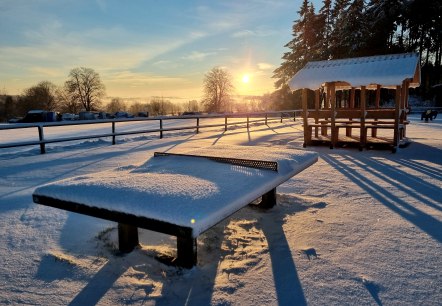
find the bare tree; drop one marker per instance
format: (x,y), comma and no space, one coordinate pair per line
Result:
(41,96)
(160,106)
(7,110)
(84,85)
(67,103)
(218,88)
(116,105)
(191,106)
(138,107)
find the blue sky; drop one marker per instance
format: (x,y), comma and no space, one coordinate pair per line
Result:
(144,48)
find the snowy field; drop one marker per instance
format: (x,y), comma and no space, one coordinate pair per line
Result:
(356,228)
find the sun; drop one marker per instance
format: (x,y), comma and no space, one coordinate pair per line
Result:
(245,78)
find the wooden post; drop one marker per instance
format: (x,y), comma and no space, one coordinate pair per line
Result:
(225,124)
(247,121)
(317,98)
(333,133)
(396,117)
(352,97)
(362,133)
(266,119)
(348,131)
(127,237)
(404,115)
(327,99)
(197,125)
(378,97)
(186,252)
(41,138)
(307,135)
(377,106)
(113,132)
(161,128)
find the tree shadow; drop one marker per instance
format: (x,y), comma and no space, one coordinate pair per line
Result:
(195,286)
(287,283)
(101,282)
(390,181)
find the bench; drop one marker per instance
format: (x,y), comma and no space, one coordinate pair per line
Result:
(181,194)
(331,122)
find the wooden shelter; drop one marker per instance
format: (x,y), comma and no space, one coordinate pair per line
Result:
(352,78)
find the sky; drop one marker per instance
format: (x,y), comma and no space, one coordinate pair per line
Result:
(144,48)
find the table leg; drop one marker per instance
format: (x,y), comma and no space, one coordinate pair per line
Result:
(186,252)
(127,237)
(268,199)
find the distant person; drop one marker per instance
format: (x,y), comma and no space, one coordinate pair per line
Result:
(429,114)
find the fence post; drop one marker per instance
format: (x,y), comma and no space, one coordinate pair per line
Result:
(281,116)
(42,138)
(161,128)
(113,132)
(247,121)
(294,116)
(266,119)
(225,124)
(197,125)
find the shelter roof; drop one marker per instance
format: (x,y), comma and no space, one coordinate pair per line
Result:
(385,70)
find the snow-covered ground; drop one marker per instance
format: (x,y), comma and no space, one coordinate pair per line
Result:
(359,228)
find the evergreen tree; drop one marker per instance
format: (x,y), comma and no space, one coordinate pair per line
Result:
(425,27)
(353,31)
(387,26)
(338,19)
(352,28)
(304,46)
(325,23)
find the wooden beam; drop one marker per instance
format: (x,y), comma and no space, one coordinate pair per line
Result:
(362,133)
(333,135)
(352,97)
(307,136)
(378,96)
(404,114)
(398,102)
(317,101)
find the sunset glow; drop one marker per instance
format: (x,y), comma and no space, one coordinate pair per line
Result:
(142,54)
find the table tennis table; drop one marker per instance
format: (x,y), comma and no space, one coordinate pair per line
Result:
(179,192)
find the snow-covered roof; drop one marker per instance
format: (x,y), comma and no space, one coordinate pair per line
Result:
(385,70)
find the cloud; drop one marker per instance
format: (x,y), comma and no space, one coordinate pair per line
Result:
(265,66)
(44,71)
(133,77)
(261,32)
(102,5)
(198,56)
(243,33)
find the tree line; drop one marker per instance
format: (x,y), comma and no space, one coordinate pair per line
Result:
(84,91)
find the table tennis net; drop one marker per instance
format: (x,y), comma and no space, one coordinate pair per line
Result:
(257,164)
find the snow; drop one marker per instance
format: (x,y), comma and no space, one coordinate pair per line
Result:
(359,228)
(183,190)
(386,70)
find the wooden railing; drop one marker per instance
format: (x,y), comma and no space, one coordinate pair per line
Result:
(254,117)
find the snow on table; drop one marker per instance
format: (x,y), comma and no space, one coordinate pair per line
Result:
(183,190)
